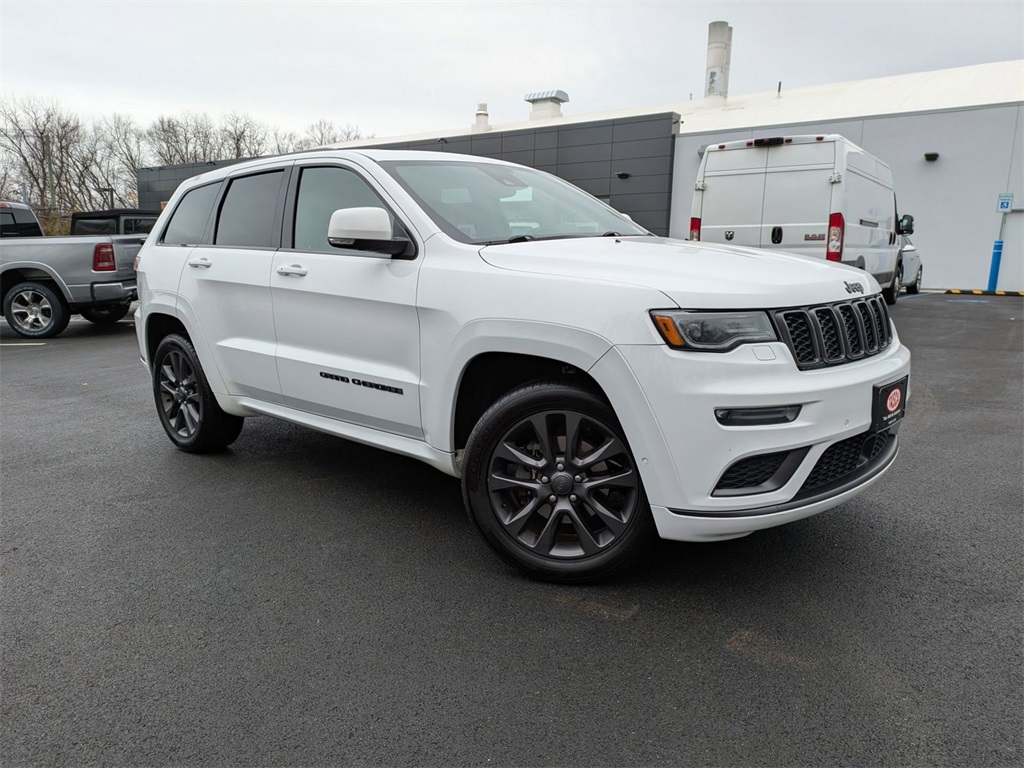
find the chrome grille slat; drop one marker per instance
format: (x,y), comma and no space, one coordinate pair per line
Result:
(834,334)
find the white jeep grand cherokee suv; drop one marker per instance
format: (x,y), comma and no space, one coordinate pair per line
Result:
(588,381)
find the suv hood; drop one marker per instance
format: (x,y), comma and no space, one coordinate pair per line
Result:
(694,275)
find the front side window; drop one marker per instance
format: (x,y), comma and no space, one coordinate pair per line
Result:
(322,191)
(487,203)
(247,214)
(138,226)
(188,222)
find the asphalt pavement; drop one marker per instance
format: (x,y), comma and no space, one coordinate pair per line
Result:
(303,600)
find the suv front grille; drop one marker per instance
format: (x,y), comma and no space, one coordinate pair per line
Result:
(748,473)
(833,334)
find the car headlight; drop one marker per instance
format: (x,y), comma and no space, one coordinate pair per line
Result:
(712,331)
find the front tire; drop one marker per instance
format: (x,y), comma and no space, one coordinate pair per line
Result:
(892,293)
(36,311)
(107,314)
(915,287)
(188,409)
(552,486)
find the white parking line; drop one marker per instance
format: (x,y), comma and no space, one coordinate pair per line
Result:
(24,344)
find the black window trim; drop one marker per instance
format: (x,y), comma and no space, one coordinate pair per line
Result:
(288,223)
(206,229)
(275,228)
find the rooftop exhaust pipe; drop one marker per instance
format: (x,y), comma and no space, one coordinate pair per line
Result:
(716,82)
(481,123)
(546,104)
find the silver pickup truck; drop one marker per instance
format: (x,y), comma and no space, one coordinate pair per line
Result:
(45,280)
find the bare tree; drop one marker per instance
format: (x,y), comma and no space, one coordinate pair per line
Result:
(324,132)
(191,138)
(241,136)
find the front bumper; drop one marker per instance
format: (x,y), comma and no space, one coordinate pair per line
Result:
(683,451)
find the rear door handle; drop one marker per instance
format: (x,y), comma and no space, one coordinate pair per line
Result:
(200,262)
(776,235)
(295,269)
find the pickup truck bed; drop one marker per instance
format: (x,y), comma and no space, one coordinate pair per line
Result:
(45,280)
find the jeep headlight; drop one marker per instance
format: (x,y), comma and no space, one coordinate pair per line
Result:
(712,331)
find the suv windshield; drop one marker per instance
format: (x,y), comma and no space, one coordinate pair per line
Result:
(486,203)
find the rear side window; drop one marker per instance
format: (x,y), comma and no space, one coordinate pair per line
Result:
(322,191)
(247,214)
(188,222)
(95,227)
(19,222)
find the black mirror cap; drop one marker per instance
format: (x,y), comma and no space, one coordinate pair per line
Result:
(396,247)
(906,225)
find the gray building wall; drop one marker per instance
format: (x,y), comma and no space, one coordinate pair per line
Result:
(953,199)
(591,155)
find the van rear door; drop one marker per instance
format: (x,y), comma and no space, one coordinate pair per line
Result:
(733,195)
(798,197)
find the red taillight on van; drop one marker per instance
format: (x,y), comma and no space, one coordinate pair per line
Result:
(103,258)
(835,237)
(695,228)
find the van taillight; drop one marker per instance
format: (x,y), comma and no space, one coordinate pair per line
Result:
(695,228)
(835,237)
(103,258)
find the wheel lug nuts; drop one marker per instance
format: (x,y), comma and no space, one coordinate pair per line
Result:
(560,466)
(545,479)
(572,497)
(552,498)
(578,478)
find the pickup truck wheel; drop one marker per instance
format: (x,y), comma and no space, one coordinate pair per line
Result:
(892,293)
(36,310)
(106,314)
(186,404)
(552,485)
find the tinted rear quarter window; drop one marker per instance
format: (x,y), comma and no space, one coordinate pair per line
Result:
(188,222)
(247,215)
(95,227)
(138,226)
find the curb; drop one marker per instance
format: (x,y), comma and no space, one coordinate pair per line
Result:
(958,292)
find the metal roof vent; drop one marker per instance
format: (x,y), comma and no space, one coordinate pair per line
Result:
(546,104)
(482,123)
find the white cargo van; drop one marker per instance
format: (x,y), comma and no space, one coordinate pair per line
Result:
(820,196)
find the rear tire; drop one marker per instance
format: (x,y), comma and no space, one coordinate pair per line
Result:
(892,293)
(188,409)
(107,314)
(552,486)
(915,287)
(36,310)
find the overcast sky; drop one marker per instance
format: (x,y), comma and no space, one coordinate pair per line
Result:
(395,68)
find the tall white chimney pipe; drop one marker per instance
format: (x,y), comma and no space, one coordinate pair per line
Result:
(716,83)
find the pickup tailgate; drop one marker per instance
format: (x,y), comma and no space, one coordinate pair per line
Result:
(126,248)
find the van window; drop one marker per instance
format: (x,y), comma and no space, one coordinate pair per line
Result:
(188,222)
(247,213)
(322,191)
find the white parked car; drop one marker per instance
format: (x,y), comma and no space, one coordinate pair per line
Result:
(589,382)
(818,195)
(913,270)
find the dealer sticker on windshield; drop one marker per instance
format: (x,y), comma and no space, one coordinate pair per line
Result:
(889,404)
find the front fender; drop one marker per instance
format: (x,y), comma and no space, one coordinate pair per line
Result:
(442,374)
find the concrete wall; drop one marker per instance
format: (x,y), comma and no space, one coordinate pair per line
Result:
(953,199)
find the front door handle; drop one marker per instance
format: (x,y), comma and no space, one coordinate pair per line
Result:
(776,235)
(295,269)
(200,262)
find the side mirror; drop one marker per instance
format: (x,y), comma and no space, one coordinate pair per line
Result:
(906,225)
(908,248)
(365,229)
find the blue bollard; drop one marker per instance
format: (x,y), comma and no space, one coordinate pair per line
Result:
(993,272)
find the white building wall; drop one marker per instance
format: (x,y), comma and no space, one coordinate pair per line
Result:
(953,199)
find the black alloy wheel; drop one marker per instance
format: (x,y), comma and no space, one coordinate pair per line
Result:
(553,486)
(187,406)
